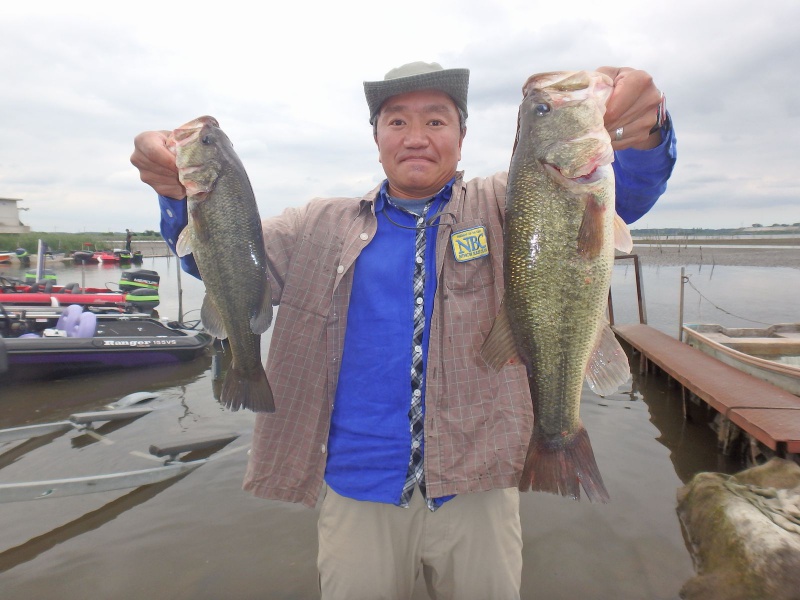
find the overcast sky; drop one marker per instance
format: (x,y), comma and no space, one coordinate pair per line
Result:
(78,80)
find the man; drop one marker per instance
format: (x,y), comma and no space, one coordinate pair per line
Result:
(374,361)
(128,237)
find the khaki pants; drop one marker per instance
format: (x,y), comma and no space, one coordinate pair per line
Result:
(469,549)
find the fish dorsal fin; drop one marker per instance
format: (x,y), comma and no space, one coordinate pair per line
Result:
(211,319)
(499,347)
(608,366)
(622,235)
(184,245)
(261,321)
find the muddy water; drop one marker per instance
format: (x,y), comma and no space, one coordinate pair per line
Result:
(201,537)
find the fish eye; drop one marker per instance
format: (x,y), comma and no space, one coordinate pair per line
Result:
(207,139)
(542,109)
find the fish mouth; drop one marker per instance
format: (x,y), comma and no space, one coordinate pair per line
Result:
(581,160)
(596,172)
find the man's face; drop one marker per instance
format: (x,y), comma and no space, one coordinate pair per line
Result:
(419,142)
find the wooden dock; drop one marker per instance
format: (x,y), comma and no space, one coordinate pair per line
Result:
(769,414)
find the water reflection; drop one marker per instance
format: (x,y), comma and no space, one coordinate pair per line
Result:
(34,547)
(692,443)
(39,402)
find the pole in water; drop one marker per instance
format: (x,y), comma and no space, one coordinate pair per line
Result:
(180,290)
(684,279)
(39,262)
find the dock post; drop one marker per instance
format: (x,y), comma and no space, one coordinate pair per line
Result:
(680,310)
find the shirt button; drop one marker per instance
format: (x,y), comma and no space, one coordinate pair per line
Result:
(364,236)
(323,449)
(170,214)
(415,444)
(419,300)
(417,393)
(340,269)
(420,221)
(417,349)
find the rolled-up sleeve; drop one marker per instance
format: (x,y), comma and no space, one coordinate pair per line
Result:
(174,217)
(642,175)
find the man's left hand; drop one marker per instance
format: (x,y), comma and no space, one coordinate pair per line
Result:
(632,110)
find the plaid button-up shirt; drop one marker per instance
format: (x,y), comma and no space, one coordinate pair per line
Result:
(477,422)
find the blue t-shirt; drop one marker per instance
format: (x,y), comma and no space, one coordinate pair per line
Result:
(369,443)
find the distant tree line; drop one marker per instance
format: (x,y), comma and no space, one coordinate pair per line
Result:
(695,231)
(70,242)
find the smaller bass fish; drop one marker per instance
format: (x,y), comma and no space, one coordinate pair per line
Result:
(224,234)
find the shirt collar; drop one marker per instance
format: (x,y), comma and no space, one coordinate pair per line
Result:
(442,196)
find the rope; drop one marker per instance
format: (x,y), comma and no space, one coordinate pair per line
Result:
(719,308)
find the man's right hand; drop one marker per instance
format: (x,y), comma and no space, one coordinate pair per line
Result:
(156,163)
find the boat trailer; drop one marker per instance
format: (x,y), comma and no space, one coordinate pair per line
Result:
(122,410)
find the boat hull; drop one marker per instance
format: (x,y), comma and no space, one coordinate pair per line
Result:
(118,344)
(771,354)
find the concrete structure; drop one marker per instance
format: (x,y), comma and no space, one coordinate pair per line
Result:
(9,217)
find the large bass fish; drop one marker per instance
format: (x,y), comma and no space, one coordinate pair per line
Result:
(224,234)
(559,232)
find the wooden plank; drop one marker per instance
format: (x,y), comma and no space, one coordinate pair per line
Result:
(780,424)
(754,405)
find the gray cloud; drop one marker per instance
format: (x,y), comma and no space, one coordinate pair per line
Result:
(79,89)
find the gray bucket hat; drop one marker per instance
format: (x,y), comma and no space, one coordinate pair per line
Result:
(418,76)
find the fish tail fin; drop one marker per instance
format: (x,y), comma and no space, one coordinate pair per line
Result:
(249,390)
(558,468)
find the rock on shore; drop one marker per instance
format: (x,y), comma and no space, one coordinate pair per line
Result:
(744,532)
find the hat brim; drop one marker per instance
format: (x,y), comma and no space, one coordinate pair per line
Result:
(453,82)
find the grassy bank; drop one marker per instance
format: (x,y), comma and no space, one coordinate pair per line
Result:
(70,242)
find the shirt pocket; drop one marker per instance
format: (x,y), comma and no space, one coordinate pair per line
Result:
(474,273)
(309,285)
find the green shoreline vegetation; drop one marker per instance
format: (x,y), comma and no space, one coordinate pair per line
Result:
(71,242)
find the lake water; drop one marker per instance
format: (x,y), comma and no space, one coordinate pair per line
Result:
(201,537)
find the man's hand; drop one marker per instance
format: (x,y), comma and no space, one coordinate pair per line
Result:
(156,163)
(632,110)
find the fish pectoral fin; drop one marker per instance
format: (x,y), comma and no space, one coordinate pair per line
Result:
(591,231)
(211,319)
(261,321)
(184,245)
(622,235)
(499,347)
(608,366)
